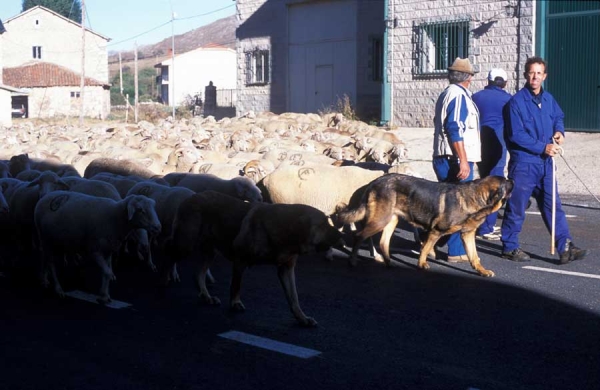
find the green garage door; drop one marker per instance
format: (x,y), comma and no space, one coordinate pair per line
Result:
(570,43)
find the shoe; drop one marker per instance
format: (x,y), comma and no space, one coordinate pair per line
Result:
(571,253)
(492,236)
(458,259)
(516,255)
(497,229)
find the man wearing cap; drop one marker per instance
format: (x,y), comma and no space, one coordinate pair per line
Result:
(534,130)
(490,101)
(456,142)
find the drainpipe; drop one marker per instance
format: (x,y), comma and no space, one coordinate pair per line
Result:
(386,87)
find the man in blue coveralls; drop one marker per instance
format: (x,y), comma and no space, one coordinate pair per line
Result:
(533,121)
(490,101)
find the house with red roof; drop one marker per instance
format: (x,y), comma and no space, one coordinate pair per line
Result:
(45,54)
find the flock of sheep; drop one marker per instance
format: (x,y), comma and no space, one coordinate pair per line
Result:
(71,194)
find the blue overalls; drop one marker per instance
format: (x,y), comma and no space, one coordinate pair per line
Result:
(529,127)
(490,101)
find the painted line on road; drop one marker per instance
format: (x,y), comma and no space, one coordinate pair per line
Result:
(94,299)
(555,271)
(271,345)
(538,213)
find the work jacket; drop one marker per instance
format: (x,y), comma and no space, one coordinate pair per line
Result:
(530,127)
(456,119)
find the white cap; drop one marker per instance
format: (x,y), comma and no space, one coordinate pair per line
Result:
(497,72)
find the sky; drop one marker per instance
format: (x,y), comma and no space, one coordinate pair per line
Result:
(126,22)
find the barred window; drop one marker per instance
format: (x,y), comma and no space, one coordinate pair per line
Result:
(376,60)
(439,43)
(258,67)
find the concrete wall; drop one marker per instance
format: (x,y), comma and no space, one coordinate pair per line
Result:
(195,69)
(506,44)
(60,40)
(263,25)
(57,101)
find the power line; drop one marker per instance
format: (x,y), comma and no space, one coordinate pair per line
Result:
(169,21)
(139,35)
(207,13)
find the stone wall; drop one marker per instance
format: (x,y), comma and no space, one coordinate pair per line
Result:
(506,44)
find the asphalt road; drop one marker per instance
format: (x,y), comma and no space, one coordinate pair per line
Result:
(399,328)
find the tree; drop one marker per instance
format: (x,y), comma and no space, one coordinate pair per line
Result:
(68,8)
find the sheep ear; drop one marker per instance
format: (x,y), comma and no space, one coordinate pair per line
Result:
(34,182)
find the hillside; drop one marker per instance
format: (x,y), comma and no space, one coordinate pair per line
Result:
(220,32)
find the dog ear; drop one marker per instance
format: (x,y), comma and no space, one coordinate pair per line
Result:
(498,194)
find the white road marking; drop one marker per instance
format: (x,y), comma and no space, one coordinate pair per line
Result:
(93,298)
(555,271)
(538,213)
(271,345)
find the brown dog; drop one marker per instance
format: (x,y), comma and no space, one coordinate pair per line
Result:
(249,234)
(438,208)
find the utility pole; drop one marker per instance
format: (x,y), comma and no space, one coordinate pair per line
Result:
(82,83)
(172,75)
(135,82)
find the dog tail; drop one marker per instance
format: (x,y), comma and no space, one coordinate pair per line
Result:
(345,214)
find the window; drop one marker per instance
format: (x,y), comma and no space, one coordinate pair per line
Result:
(75,94)
(257,67)
(376,58)
(37,52)
(439,43)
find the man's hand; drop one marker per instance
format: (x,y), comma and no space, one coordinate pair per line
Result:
(464,170)
(558,138)
(552,150)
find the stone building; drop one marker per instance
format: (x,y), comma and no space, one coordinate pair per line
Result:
(390,56)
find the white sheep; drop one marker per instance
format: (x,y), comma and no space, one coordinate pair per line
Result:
(239,187)
(119,167)
(70,223)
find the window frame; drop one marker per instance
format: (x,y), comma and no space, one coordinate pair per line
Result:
(252,67)
(434,52)
(376,58)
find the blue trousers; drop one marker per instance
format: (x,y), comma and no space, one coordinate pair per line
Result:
(532,179)
(445,170)
(493,161)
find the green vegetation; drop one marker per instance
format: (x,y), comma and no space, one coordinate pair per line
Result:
(70,9)
(146,86)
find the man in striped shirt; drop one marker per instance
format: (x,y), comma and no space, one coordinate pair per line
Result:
(456,141)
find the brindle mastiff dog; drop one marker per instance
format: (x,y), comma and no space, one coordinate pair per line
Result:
(438,208)
(249,234)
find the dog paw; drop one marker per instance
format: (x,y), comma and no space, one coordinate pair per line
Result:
(237,307)
(487,273)
(424,267)
(104,300)
(208,300)
(308,322)
(353,262)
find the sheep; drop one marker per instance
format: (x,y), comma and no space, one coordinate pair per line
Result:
(119,167)
(239,187)
(291,157)
(167,201)
(22,162)
(4,170)
(121,183)
(224,171)
(92,187)
(79,224)
(319,186)
(22,204)
(28,175)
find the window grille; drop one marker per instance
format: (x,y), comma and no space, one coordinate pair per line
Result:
(37,52)
(439,43)
(258,67)
(376,60)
